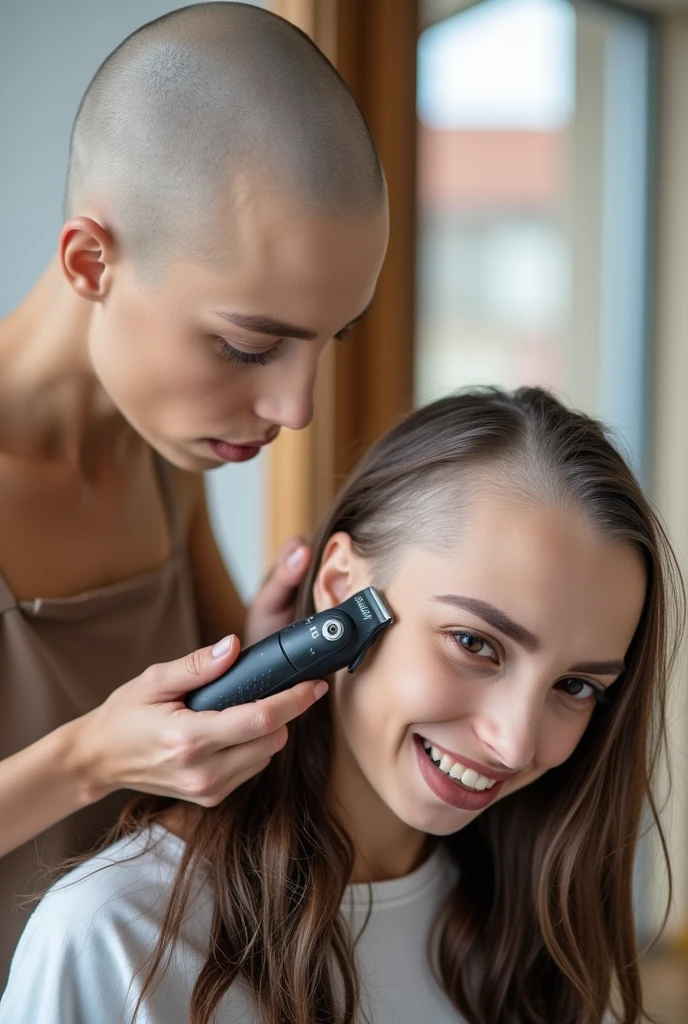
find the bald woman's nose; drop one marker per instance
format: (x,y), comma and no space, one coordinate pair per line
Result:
(288,399)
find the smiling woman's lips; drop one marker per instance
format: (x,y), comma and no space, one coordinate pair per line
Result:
(448,789)
(481,769)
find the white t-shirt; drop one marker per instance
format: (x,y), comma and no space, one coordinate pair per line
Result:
(78,958)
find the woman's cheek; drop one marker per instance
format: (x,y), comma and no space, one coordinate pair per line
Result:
(558,738)
(400,684)
(417,686)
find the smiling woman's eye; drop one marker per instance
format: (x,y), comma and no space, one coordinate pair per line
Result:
(582,690)
(473,643)
(236,356)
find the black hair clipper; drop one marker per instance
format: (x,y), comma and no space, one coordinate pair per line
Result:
(308,649)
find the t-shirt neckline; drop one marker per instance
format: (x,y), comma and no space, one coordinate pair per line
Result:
(394,890)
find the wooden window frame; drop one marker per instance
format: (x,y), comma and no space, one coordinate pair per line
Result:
(366,384)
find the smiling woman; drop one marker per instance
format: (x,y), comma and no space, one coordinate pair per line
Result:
(434,842)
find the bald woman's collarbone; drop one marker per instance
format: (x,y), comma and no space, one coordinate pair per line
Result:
(60,537)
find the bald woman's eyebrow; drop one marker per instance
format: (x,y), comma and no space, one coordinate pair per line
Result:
(260,324)
(265,325)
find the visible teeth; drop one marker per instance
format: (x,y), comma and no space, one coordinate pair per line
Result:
(466,776)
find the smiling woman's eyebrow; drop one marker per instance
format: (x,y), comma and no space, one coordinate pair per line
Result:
(600,668)
(501,621)
(261,324)
(496,618)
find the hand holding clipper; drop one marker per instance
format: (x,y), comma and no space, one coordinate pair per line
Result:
(308,649)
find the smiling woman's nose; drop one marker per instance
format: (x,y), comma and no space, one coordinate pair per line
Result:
(509,729)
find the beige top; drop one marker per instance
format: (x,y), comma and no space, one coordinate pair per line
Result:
(60,659)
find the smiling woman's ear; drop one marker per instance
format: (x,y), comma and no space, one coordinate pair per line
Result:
(342,572)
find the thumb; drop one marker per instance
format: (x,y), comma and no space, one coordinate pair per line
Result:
(170,680)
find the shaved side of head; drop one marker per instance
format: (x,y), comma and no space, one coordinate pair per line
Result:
(193,103)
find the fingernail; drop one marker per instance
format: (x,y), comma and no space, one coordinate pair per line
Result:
(222,646)
(296,558)
(320,689)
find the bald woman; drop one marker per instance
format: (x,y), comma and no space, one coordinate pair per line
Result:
(226,216)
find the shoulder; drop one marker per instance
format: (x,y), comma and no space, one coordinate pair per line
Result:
(130,871)
(92,932)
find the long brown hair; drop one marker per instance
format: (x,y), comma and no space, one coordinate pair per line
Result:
(545,931)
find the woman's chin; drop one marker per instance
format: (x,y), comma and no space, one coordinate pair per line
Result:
(433,821)
(445,824)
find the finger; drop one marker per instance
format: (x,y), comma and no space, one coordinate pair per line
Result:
(215,730)
(284,552)
(172,679)
(226,763)
(277,593)
(292,568)
(215,792)
(215,774)
(229,785)
(242,777)
(297,540)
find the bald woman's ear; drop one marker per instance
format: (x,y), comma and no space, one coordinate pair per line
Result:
(87,251)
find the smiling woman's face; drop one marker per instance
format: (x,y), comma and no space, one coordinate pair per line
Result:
(502,645)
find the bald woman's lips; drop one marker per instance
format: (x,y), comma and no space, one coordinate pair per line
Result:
(235,452)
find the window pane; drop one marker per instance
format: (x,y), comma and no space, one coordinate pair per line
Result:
(533,125)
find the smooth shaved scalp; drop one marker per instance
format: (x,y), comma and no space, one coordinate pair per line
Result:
(193,103)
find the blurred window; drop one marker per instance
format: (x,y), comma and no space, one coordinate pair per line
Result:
(533,165)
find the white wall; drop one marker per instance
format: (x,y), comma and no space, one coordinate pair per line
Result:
(48,53)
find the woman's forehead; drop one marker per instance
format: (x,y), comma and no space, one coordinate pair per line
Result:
(544,565)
